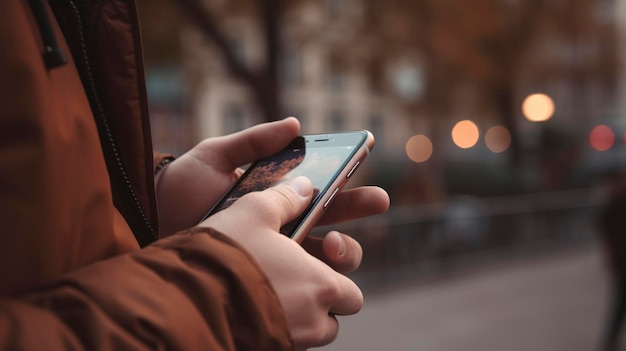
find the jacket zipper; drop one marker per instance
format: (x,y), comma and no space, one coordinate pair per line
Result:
(144,238)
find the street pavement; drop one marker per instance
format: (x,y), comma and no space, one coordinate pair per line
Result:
(551,302)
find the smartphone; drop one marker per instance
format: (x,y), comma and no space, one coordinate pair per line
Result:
(328,160)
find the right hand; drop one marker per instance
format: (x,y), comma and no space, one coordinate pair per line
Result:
(310,291)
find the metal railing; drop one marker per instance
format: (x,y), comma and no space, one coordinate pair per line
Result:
(426,238)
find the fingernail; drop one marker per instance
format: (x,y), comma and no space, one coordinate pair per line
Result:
(302,185)
(342,247)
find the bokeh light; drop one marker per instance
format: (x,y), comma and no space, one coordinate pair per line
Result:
(498,139)
(465,134)
(538,107)
(601,137)
(419,148)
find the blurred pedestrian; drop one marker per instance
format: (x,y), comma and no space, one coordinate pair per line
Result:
(613,231)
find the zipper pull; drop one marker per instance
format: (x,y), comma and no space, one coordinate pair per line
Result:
(53,55)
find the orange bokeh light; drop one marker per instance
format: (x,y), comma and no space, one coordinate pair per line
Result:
(465,134)
(538,107)
(601,137)
(498,139)
(419,148)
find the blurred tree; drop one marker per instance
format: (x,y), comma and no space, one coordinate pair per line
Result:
(450,57)
(488,45)
(263,82)
(163,20)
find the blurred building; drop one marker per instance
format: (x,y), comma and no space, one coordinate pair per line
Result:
(575,66)
(323,96)
(342,65)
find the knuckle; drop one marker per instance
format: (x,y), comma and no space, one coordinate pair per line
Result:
(343,297)
(282,196)
(322,333)
(273,203)
(284,202)
(258,205)
(330,293)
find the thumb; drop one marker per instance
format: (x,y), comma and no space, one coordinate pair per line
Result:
(280,204)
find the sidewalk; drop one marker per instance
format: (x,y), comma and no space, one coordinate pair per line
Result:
(556,302)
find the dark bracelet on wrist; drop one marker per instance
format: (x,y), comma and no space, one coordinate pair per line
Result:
(163,163)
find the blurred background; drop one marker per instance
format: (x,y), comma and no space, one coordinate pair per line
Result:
(500,132)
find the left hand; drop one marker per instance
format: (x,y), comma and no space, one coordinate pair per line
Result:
(188,187)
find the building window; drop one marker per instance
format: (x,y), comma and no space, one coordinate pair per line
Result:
(233,117)
(238,46)
(335,9)
(376,125)
(335,81)
(291,73)
(375,78)
(337,120)
(605,12)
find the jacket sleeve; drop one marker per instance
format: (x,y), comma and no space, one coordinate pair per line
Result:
(193,291)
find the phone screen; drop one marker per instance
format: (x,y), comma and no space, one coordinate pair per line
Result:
(321,159)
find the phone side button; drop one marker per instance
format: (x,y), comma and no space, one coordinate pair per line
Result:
(330,199)
(356,165)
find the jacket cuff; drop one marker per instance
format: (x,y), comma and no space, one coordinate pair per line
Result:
(256,314)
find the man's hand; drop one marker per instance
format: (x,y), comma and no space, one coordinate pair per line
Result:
(311,292)
(188,187)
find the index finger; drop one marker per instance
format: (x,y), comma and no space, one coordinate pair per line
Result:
(356,203)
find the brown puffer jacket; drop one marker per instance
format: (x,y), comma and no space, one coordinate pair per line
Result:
(77,202)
